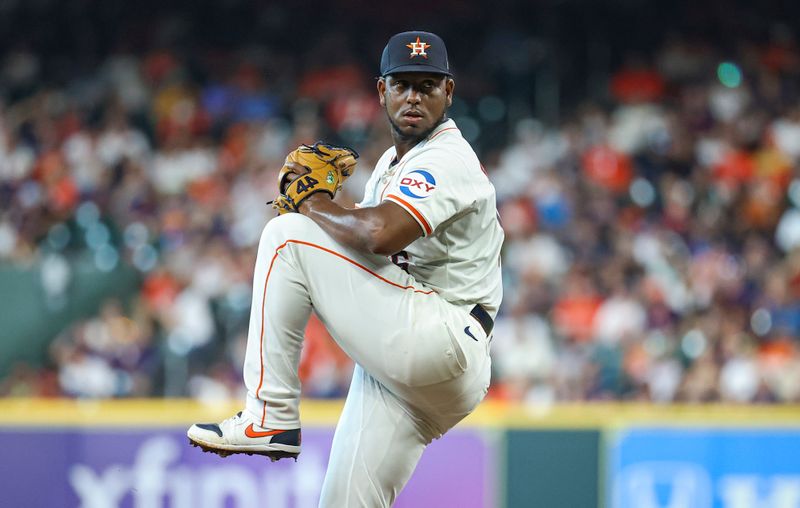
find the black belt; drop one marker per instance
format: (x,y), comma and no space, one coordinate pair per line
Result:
(483,317)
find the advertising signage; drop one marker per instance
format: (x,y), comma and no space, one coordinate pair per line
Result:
(705,468)
(154,468)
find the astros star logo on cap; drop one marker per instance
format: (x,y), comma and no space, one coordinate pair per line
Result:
(418,48)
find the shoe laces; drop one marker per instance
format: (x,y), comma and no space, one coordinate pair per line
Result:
(233,418)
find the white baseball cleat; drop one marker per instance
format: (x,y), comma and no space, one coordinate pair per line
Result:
(240,434)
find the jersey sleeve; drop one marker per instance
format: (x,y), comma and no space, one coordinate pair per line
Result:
(430,194)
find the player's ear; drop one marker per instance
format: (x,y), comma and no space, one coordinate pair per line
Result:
(448,88)
(382,91)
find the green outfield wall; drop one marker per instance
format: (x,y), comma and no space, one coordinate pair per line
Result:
(552,468)
(31,318)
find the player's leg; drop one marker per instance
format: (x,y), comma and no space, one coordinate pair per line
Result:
(375,449)
(380,316)
(280,309)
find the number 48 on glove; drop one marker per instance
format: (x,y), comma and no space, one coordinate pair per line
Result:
(322,168)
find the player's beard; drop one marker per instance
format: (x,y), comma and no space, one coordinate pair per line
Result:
(416,138)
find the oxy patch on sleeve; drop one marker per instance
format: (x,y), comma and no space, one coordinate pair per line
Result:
(417,184)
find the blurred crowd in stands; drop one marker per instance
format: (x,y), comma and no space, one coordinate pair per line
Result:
(652,236)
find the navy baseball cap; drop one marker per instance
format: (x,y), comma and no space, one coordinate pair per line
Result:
(415,52)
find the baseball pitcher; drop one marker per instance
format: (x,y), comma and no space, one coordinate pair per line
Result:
(407,283)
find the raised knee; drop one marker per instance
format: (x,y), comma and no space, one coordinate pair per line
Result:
(288,225)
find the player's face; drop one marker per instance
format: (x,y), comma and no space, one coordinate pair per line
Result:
(415,102)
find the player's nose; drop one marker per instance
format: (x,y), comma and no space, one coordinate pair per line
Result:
(413,97)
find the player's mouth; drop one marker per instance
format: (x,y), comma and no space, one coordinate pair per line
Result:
(413,117)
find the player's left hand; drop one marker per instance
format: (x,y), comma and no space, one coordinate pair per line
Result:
(310,169)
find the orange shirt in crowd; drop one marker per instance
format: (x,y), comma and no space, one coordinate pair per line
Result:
(574,316)
(608,168)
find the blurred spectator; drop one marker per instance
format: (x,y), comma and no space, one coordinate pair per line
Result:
(652,234)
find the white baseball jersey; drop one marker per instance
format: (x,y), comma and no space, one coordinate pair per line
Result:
(441,184)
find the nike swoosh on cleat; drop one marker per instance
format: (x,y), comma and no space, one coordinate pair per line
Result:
(251,432)
(466,330)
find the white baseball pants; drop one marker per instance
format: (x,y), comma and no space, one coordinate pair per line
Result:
(417,373)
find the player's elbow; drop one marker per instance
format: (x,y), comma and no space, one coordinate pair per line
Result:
(380,239)
(381,243)
(388,229)
(383,250)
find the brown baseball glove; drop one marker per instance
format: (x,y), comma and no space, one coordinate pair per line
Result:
(316,168)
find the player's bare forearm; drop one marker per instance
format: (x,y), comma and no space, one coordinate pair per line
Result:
(342,224)
(384,229)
